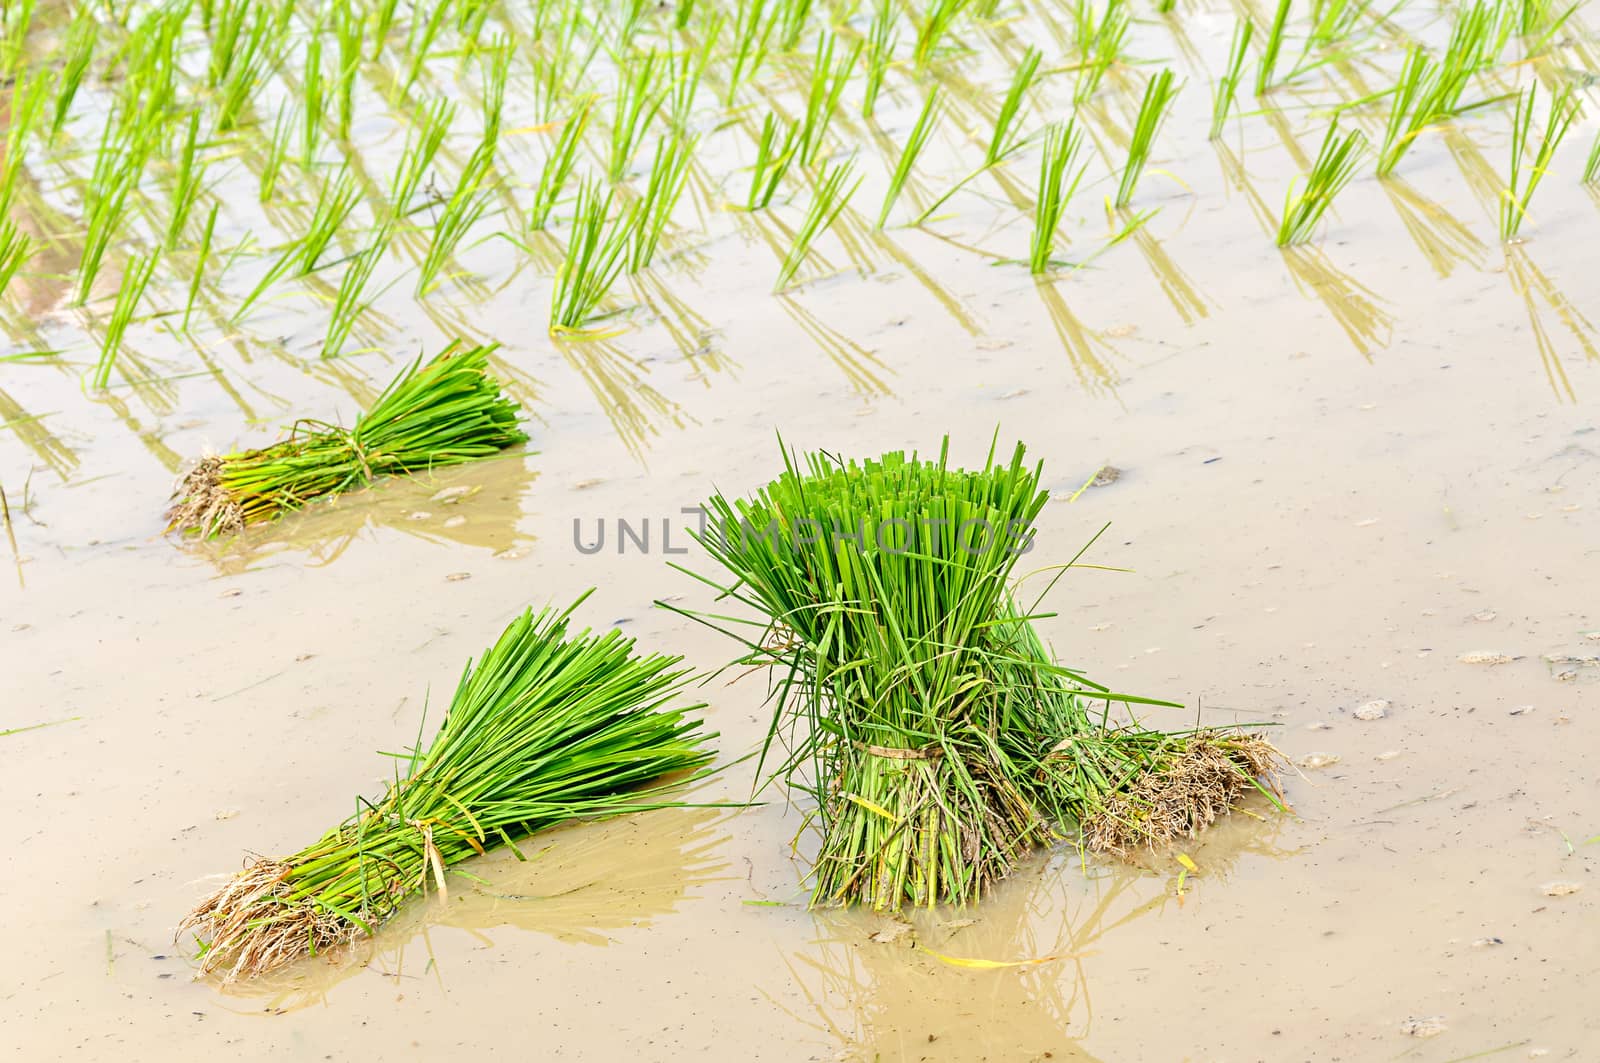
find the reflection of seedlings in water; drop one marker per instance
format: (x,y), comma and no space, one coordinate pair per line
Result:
(150,437)
(1089,352)
(1280,126)
(30,428)
(691,333)
(1534,286)
(1357,309)
(953,306)
(617,379)
(1475,169)
(1176,285)
(1234,171)
(1443,240)
(860,366)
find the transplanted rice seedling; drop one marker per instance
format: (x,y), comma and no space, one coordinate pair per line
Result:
(935,25)
(751,30)
(28,97)
(347,304)
(1429,92)
(18,19)
(1335,165)
(921,711)
(424,31)
(191,172)
(1061,146)
(1100,44)
(79,52)
(1274,45)
(557,168)
(882,38)
(822,100)
(1520,184)
(432,127)
(201,260)
(460,213)
(1591,167)
(908,155)
(831,198)
(773,156)
(639,99)
(446,411)
(549,725)
(596,255)
(135,279)
(347,30)
(790,22)
(1157,103)
(1228,84)
(1003,140)
(277,151)
(668,173)
(15,248)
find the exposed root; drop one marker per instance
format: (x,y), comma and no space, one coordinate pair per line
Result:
(1195,787)
(251,925)
(202,504)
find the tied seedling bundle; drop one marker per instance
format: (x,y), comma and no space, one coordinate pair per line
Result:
(445,412)
(547,727)
(920,708)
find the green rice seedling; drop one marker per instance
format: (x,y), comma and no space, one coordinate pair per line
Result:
(16,247)
(441,412)
(1228,84)
(1411,109)
(682,13)
(470,17)
(934,26)
(107,202)
(558,166)
(28,97)
(1274,45)
(790,20)
(668,173)
(245,71)
(465,207)
(78,54)
(773,157)
(421,148)
(1003,140)
(1056,187)
(1335,165)
(908,155)
(382,23)
(420,42)
(313,92)
(336,198)
(1159,93)
(832,196)
(751,31)
(921,711)
(1520,185)
(347,31)
(202,259)
(1100,44)
(347,304)
(882,38)
(18,19)
(639,100)
(596,255)
(822,98)
(277,151)
(135,280)
(549,726)
(1591,168)
(496,74)
(687,74)
(191,172)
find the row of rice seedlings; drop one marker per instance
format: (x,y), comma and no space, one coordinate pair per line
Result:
(558,165)
(883,37)
(550,725)
(908,155)
(1057,183)
(1159,94)
(1272,48)
(1100,43)
(1521,183)
(1228,85)
(16,247)
(832,194)
(774,154)
(1334,167)
(444,411)
(135,280)
(822,97)
(1429,92)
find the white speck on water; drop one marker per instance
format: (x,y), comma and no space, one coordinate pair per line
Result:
(1522,710)
(1427,1026)
(1560,888)
(1376,709)
(1484,657)
(1484,616)
(1387,754)
(1319,760)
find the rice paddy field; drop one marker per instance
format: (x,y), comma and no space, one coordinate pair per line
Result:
(1299,299)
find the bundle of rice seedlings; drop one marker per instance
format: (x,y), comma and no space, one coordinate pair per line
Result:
(445,412)
(547,727)
(923,714)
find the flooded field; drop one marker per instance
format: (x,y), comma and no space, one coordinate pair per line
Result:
(1361,469)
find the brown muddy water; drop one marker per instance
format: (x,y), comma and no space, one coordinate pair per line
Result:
(1354,472)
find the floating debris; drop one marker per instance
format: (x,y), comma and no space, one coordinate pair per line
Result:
(1485,657)
(1427,1026)
(1376,709)
(1560,888)
(1108,474)
(1313,761)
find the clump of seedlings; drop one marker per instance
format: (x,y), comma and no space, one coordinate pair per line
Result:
(549,725)
(917,704)
(833,192)
(1153,110)
(443,412)
(1521,182)
(1335,165)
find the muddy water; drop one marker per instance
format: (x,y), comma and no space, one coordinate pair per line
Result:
(1343,470)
